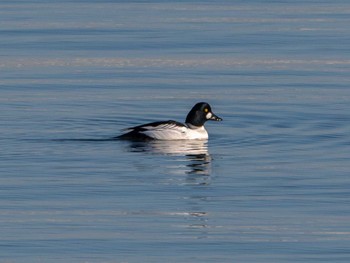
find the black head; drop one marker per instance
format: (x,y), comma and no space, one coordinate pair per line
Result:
(200,113)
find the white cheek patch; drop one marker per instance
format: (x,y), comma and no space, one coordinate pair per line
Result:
(209,115)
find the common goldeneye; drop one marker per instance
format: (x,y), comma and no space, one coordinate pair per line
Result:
(173,130)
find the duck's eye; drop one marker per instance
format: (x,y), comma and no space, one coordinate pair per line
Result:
(206,110)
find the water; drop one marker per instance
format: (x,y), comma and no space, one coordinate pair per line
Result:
(271,184)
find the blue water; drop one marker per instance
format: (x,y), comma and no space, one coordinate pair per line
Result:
(272,184)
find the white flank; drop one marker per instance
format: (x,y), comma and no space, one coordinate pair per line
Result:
(174,132)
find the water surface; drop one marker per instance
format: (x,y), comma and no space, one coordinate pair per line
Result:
(270,185)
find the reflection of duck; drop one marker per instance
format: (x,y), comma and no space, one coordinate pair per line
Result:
(173,130)
(181,147)
(190,160)
(195,151)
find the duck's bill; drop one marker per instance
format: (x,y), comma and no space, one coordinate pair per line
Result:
(213,117)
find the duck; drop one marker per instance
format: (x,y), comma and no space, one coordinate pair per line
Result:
(192,129)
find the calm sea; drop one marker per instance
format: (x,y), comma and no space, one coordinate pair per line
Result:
(272,184)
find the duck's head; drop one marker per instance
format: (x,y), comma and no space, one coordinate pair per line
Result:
(200,113)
